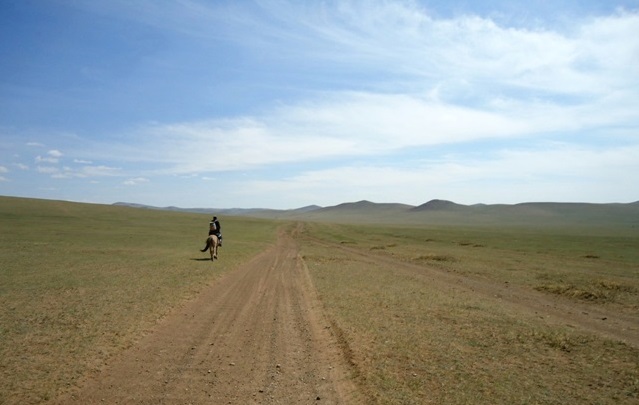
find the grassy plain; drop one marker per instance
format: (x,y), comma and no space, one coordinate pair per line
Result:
(80,282)
(416,342)
(599,265)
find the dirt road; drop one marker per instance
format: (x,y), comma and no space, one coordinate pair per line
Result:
(257,336)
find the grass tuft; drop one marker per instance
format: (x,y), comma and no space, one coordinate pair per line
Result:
(600,291)
(434,258)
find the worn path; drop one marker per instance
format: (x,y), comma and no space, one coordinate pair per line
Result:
(259,336)
(256,336)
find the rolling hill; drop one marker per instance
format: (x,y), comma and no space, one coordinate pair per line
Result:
(443,212)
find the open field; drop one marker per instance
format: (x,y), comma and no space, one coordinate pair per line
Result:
(483,315)
(80,283)
(103,302)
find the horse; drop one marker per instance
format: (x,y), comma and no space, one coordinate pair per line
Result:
(212,243)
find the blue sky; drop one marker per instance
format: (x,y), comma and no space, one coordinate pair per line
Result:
(283,104)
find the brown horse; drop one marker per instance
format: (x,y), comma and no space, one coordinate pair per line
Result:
(212,243)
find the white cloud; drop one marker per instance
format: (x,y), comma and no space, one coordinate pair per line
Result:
(47,169)
(67,172)
(410,46)
(383,78)
(352,125)
(100,171)
(22,166)
(562,172)
(136,181)
(53,157)
(4,169)
(46,159)
(454,80)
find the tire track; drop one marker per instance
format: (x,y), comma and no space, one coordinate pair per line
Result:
(256,336)
(599,320)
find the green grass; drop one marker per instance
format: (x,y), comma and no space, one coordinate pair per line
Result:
(600,263)
(414,342)
(80,282)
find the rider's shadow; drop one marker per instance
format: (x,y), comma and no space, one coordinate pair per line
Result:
(206,259)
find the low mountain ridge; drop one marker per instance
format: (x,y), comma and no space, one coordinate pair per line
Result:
(444,212)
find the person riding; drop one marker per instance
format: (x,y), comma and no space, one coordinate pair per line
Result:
(216,229)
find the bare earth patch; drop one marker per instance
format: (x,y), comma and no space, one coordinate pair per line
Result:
(258,335)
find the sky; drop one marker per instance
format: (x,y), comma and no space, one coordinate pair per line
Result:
(283,104)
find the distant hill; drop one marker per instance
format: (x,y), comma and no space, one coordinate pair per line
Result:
(365,207)
(434,205)
(443,212)
(211,211)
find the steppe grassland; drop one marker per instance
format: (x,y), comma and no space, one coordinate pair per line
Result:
(414,342)
(80,282)
(601,263)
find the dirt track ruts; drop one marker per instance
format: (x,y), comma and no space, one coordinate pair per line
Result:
(256,336)
(601,320)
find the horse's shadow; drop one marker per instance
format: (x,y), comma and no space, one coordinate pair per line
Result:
(205,259)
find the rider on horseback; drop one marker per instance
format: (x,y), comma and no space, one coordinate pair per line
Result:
(216,229)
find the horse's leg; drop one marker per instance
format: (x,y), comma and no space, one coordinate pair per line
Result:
(214,246)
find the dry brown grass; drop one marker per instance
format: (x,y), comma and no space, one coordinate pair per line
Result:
(79,282)
(92,279)
(416,341)
(597,290)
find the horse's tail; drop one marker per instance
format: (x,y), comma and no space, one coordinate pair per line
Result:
(208,244)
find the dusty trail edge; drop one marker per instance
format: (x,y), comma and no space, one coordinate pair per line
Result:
(258,335)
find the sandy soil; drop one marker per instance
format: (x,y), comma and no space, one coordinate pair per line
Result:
(259,336)
(256,336)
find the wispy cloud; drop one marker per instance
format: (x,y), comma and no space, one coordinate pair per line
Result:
(46,159)
(47,169)
(454,80)
(568,172)
(135,181)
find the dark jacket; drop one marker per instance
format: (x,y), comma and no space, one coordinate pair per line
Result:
(215,228)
